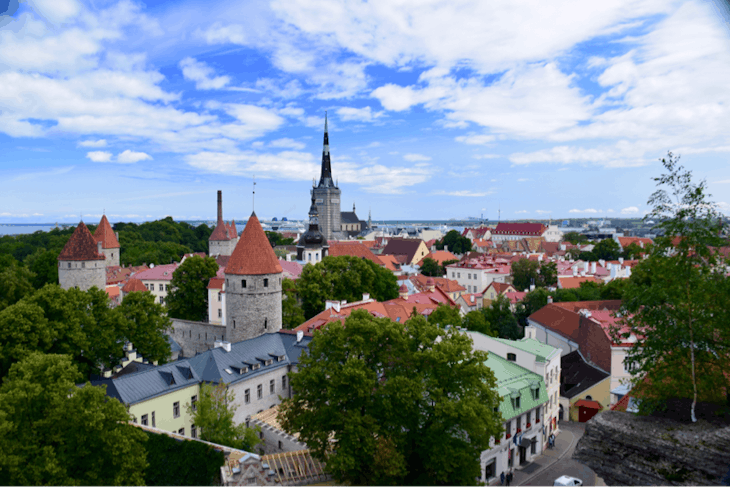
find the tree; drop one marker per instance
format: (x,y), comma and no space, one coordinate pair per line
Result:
(343,278)
(524,273)
(677,300)
(477,321)
(15,281)
(44,264)
(500,318)
(444,316)
(213,415)
(455,242)
(188,298)
(588,255)
(548,275)
(607,249)
(292,314)
(54,433)
(388,403)
(633,251)
(145,325)
(431,268)
(575,238)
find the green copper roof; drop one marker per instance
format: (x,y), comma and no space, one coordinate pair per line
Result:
(542,351)
(515,381)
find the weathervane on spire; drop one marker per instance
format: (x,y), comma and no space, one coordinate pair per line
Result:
(253,198)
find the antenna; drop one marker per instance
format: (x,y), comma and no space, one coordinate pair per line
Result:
(253,198)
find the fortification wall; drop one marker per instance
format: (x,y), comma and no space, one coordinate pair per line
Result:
(196,336)
(255,309)
(82,274)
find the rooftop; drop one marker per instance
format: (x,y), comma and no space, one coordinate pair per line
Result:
(81,246)
(253,254)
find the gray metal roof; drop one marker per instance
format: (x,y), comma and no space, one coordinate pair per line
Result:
(349,217)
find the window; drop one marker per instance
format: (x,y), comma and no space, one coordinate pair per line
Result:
(281,445)
(83,264)
(283,382)
(490,471)
(261,435)
(193,431)
(193,402)
(266,282)
(266,323)
(453,274)
(519,422)
(260,391)
(533,446)
(176,410)
(589,398)
(162,287)
(511,357)
(220,313)
(162,300)
(219,297)
(272,386)
(247,396)
(508,427)
(458,274)
(234,324)
(154,424)
(517,402)
(243,283)
(181,432)
(69,265)
(144,420)
(468,276)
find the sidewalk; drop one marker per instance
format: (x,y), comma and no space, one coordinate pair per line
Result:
(564,443)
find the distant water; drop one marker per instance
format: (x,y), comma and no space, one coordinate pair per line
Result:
(21,228)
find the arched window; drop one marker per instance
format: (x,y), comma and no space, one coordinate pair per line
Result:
(589,398)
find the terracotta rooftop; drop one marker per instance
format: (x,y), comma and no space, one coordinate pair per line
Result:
(253,255)
(81,246)
(216,283)
(526,229)
(221,232)
(440,256)
(355,248)
(105,234)
(158,272)
(134,285)
(575,282)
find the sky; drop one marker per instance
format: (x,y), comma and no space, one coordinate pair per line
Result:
(515,109)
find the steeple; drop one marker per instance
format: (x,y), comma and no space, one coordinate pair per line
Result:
(325,180)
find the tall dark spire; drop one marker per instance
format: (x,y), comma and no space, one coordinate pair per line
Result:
(325,180)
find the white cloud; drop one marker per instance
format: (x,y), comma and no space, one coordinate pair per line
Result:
(629,210)
(130,157)
(55,11)
(522,180)
(92,143)
(416,157)
(521,211)
(202,74)
(365,114)
(724,181)
(99,156)
(543,212)
(475,139)
(52,172)
(486,156)
(287,143)
(587,210)
(464,193)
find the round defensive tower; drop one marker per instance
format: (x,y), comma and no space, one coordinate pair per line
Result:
(253,286)
(109,242)
(81,263)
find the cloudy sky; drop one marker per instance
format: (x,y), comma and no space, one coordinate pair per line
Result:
(437,109)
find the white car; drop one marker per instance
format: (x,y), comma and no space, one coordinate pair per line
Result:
(567,480)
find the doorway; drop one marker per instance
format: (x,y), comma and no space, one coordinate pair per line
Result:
(523,455)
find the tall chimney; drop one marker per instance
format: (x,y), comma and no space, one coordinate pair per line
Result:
(220,205)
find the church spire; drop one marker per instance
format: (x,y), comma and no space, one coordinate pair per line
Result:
(325,179)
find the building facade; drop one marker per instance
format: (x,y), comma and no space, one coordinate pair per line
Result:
(82,263)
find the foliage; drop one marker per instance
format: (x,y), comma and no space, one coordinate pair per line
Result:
(444,316)
(575,238)
(633,251)
(431,268)
(588,255)
(15,281)
(54,433)
(173,462)
(275,238)
(22,246)
(548,275)
(213,415)
(678,298)
(526,272)
(44,264)
(500,318)
(343,278)
(292,314)
(455,242)
(188,297)
(145,325)
(477,321)
(607,249)
(394,403)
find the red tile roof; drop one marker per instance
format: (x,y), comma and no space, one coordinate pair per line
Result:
(216,283)
(112,291)
(574,282)
(588,404)
(390,261)
(622,404)
(439,256)
(253,254)
(355,249)
(81,246)
(640,241)
(134,285)
(527,229)
(232,231)
(105,234)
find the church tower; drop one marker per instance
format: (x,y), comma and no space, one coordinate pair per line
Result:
(81,263)
(327,195)
(253,286)
(312,246)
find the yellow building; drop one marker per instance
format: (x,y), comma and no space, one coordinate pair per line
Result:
(585,382)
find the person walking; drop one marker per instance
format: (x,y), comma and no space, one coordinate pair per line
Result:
(501,478)
(509,478)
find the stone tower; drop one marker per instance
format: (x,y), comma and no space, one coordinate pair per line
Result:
(81,263)
(225,236)
(327,195)
(253,286)
(312,246)
(109,242)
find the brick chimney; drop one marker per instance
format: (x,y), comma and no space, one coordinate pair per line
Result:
(220,205)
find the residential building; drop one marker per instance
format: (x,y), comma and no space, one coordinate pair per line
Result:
(440,256)
(517,231)
(217,300)
(496,289)
(581,381)
(133,285)
(413,249)
(82,263)
(355,249)
(109,242)
(469,302)
(476,274)
(426,284)
(157,280)
(482,232)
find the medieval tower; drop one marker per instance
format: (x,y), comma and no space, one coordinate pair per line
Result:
(109,242)
(82,263)
(225,236)
(327,195)
(253,286)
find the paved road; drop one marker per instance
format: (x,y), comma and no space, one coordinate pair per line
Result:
(558,461)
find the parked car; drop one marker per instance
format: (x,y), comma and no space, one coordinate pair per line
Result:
(567,480)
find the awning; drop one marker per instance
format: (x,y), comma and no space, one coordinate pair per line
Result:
(588,404)
(622,390)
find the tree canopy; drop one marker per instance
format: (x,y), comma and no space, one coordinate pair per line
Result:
(343,278)
(607,249)
(292,314)
(188,297)
(456,243)
(677,301)
(431,268)
(389,403)
(575,238)
(54,433)
(526,272)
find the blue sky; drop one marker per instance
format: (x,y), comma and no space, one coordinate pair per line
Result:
(437,109)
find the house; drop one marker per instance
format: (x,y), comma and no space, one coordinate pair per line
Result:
(440,256)
(292,269)
(536,357)
(575,282)
(517,231)
(469,302)
(216,299)
(449,287)
(581,381)
(392,263)
(585,326)
(481,245)
(157,280)
(642,242)
(477,233)
(414,249)
(355,249)
(476,274)
(495,289)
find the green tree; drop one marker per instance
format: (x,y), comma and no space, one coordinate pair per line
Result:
(477,321)
(292,314)
(444,316)
(633,251)
(588,255)
(213,415)
(524,273)
(175,462)
(431,268)
(532,302)
(548,274)
(44,264)
(145,325)
(343,278)
(607,249)
(501,319)
(455,242)
(383,401)
(188,296)
(15,281)
(54,433)
(677,300)
(575,238)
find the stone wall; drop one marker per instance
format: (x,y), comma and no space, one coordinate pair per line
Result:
(627,449)
(82,274)
(221,247)
(255,309)
(112,256)
(196,336)
(274,437)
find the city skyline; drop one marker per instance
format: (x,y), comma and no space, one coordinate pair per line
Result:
(443,110)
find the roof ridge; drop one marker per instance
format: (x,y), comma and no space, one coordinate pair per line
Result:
(253,254)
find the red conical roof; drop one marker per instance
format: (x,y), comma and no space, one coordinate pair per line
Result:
(253,254)
(105,234)
(220,233)
(81,246)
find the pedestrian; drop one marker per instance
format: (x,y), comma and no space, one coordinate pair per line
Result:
(511,475)
(501,478)
(509,478)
